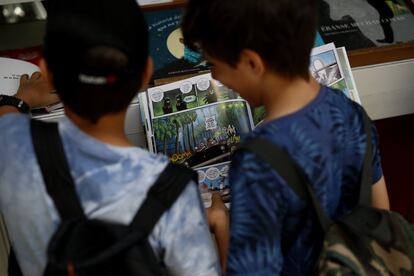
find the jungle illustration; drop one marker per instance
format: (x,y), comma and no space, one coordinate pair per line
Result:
(201,134)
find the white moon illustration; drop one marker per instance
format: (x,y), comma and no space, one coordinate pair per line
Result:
(175,45)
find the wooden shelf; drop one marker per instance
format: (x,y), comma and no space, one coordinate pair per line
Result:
(174,4)
(357,58)
(378,55)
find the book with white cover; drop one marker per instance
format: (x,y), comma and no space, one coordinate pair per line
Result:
(11,71)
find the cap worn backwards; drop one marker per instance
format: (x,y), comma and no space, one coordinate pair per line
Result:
(75,27)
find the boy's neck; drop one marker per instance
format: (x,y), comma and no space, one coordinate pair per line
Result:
(285,96)
(109,129)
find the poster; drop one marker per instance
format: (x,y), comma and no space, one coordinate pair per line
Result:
(171,58)
(357,24)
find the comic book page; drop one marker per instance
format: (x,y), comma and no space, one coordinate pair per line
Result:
(325,68)
(350,90)
(197,122)
(330,67)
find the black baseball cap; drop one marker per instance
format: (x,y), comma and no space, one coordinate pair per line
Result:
(74,27)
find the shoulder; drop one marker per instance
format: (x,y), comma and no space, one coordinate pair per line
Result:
(182,237)
(15,140)
(250,175)
(13,125)
(338,99)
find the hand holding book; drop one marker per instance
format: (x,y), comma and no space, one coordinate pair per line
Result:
(218,221)
(35,91)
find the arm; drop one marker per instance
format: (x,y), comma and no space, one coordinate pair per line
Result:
(380,198)
(185,243)
(8,109)
(34,91)
(218,220)
(258,209)
(380,195)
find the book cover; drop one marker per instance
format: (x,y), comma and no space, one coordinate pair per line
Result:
(357,24)
(324,66)
(349,88)
(171,57)
(330,67)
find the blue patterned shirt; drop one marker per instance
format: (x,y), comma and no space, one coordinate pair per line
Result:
(111,182)
(272,231)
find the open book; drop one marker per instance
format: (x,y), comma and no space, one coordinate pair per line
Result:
(199,122)
(10,72)
(330,67)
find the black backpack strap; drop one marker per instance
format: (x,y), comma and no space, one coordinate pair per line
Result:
(294,176)
(55,170)
(287,168)
(162,195)
(13,268)
(365,192)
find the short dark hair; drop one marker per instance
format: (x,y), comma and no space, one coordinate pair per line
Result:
(282,32)
(97,53)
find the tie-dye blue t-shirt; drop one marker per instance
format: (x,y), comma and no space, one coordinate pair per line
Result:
(112,183)
(272,231)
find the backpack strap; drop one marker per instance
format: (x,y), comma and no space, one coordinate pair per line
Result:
(55,169)
(294,176)
(14,267)
(287,168)
(365,192)
(60,186)
(161,196)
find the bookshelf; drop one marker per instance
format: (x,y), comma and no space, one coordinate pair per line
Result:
(379,55)
(382,75)
(173,4)
(357,58)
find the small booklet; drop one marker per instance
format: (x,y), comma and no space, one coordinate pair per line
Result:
(330,67)
(197,122)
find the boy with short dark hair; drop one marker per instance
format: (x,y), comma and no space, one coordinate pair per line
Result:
(261,49)
(96,57)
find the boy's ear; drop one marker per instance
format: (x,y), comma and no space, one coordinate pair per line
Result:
(253,61)
(44,70)
(146,76)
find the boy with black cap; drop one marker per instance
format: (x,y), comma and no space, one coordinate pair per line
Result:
(96,58)
(261,49)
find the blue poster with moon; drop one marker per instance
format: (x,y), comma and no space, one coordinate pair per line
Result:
(171,57)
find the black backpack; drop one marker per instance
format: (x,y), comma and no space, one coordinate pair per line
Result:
(82,246)
(366,241)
